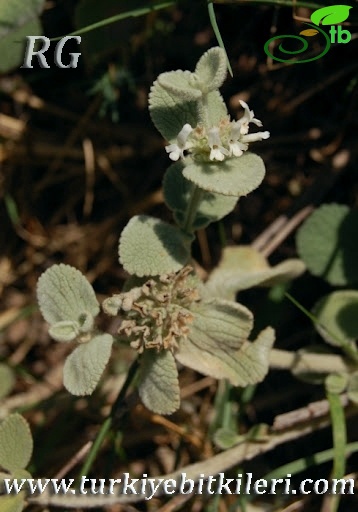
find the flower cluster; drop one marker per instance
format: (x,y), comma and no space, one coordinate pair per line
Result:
(228,139)
(157,313)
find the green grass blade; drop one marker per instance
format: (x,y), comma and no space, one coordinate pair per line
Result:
(216,30)
(134,13)
(304,463)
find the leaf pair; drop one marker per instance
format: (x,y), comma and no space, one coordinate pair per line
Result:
(217,345)
(68,303)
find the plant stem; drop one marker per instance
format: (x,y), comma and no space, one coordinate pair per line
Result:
(106,426)
(307,362)
(192,208)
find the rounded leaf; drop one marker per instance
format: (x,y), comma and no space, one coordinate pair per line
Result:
(12,503)
(150,247)
(169,112)
(158,382)
(232,177)
(331,15)
(219,330)
(179,83)
(18,20)
(327,243)
(211,69)
(337,314)
(243,267)
(84,367)
(177,192)
(67,330)
(63,293)
(7,380)
(15,443)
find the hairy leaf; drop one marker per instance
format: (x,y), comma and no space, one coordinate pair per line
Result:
(158,382)
(177,191)
(179,84)
(15,443)
(64,293)
(211,69)
(233,177)
(253,358)
(243,267)
(18,19)
(12,503)
(149,247)
(219,329)
(337,314)
(327,243)
(7,380)
(66,330)
(170,113)
(85,366)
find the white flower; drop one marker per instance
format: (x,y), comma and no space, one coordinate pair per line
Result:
(176,151)
(218,152)
(253,137)
(247,118)
(235,145)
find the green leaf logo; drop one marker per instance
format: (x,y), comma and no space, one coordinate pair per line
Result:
(331,15)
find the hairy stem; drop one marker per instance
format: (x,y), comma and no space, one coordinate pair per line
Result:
(307,362)
(192,208)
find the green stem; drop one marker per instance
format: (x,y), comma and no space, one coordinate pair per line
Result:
(106,426)
(339,433)
(349,349)
(192,208)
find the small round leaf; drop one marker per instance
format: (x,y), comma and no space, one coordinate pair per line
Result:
(232,177)
(327,243)
(177,191)
(15,443)
(64,293)
(211,69)
(7,380)
(149,247)
(337,314)
(84,367)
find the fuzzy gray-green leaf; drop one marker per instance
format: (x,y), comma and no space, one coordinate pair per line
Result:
(252,361)
(179,84)
(64,293)
(211,69)
(149,247)
(337,315)
(18,19)
(15,443)
(177,190)
(232,177)
(85,366)
(327,243)
(170,113)
(243,267)
(7,380)
(218,331)
(13,503)
(66,330)
(158,382)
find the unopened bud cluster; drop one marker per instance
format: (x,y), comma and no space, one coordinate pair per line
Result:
(157,314)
